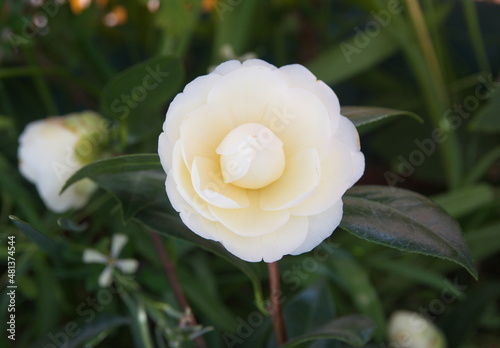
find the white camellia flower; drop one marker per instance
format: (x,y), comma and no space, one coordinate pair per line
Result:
(258,158)
(52,149)
(411,330)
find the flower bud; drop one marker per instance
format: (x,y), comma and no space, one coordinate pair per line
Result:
(411,330)
(52,149)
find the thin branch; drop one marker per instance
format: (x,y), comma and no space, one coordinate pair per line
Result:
(169,269)
(276,310)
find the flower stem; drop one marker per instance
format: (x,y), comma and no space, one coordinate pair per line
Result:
(276,310)
(169,269)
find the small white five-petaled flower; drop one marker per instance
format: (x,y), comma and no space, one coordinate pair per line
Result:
(118,241)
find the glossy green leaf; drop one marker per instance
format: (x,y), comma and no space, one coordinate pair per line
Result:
(121,164)
(45,243)
(355,330)
(406,221)
(363,115)
(311,308)
(142,89)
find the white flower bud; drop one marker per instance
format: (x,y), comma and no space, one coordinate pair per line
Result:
(411,330)
(52,149)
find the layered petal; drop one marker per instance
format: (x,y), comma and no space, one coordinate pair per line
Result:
(297,75)
(190,216)
(246,93)
(251,221)
(194,95)
(321,226)
(203,130)
(181,180)
(301,177)
(301,121)
(210,186)
(336,178)
(270,247)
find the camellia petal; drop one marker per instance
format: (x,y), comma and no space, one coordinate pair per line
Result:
(245,103)
(182,180)
(301,121)
(190,215)
(321,227)
(255,249)
(302,175)
(252,221)
(336,174)
(299,76)
(209,184)
(193,96)
(203,130)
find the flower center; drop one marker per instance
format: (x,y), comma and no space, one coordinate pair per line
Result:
(251,156)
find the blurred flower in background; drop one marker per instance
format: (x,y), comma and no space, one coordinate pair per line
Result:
(411,330)
(129,266)
(53,149)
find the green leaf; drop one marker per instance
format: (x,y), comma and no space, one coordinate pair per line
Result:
(363,115)
(170,225)
(346,60)
(69,225)
(465,200)
(45,243)
(355,330)
(88,331)
(233,25)
(406,221)
(141,195)
(121,164)
(143,88)
(309,309)
(487,120)
(358,286)
(10,184)
(484,242)
(465,317)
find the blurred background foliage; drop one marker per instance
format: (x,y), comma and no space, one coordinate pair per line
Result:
(430,57)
